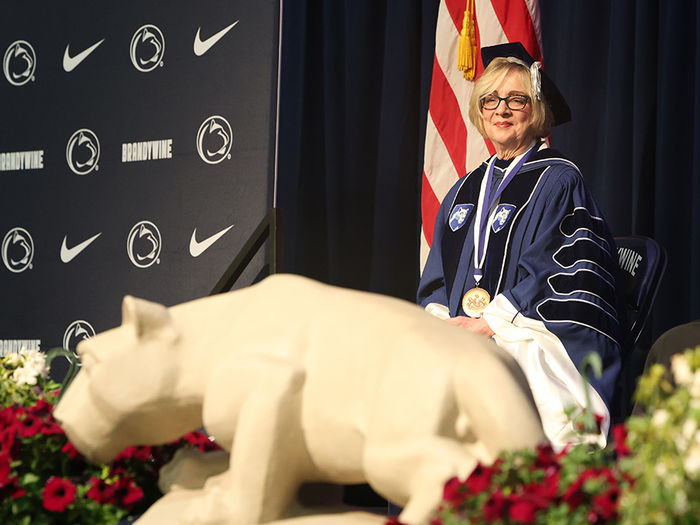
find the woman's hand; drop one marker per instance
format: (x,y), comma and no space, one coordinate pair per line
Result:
(476,325)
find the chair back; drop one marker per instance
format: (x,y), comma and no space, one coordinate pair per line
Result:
(642,263)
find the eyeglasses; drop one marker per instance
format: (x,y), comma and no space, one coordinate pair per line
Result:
(514,102)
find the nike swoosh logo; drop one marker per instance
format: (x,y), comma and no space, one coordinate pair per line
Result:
(68,254)
(202,46)
(198,248)
(70,63)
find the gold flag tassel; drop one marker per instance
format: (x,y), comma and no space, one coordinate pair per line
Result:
(466,60)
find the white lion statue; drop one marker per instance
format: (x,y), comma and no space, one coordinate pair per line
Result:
(300,382)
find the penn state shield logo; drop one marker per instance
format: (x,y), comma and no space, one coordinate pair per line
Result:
(503,214)
(459,216)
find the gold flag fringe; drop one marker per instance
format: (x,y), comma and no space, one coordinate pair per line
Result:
(467,43)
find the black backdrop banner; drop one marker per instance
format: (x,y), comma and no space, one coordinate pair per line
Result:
(137,152)
(355,84)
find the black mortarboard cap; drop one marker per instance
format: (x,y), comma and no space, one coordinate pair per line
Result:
(560,109)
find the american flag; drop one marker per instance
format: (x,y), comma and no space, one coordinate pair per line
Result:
(453,147)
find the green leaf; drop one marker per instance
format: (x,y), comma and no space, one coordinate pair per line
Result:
(29,478)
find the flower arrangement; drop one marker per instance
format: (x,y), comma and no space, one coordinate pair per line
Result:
(648,474)
(579,485)
(43,477)
(666,444)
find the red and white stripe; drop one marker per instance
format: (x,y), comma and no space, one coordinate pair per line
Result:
(453,147)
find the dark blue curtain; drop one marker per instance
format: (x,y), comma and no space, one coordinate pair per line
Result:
(630,71)
(355,85)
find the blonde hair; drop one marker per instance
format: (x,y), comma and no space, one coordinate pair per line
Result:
(541,117)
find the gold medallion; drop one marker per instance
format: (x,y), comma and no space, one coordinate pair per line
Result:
(475,301)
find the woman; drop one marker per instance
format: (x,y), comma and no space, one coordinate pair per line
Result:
(520,251)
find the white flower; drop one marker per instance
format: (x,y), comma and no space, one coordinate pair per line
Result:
(13,359)
(24,376)
(674,480)
(660,470)
(694,388)
(689,428)
(682,373)
(681,442)
(660,417)
(37,368)
(681,503)
(692,462)
(35,362)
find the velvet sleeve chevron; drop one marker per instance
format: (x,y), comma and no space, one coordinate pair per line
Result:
(568,276)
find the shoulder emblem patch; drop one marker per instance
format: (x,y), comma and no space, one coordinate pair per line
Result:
(459,216)
(503,214)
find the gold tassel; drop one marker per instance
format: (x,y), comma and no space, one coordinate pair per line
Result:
(466,60)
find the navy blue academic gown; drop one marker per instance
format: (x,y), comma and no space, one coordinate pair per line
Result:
(551,261)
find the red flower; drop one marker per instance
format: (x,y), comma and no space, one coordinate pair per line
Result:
(18,491)
(29,426)
(41,408)
(495,507)
(393,520)
(605,505)
(5,470)
(58,494)
(70,449)
(118,471)
(7,438)
(454,492)
(597,419)
(436,521)
(100,491)
(11,489)
(480,479)
(49,428)
(7,416)
(574,496)
(522,511)
(201,441)
(127,493)
(619,433)
(542,494)
(139,453)
(546,460)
